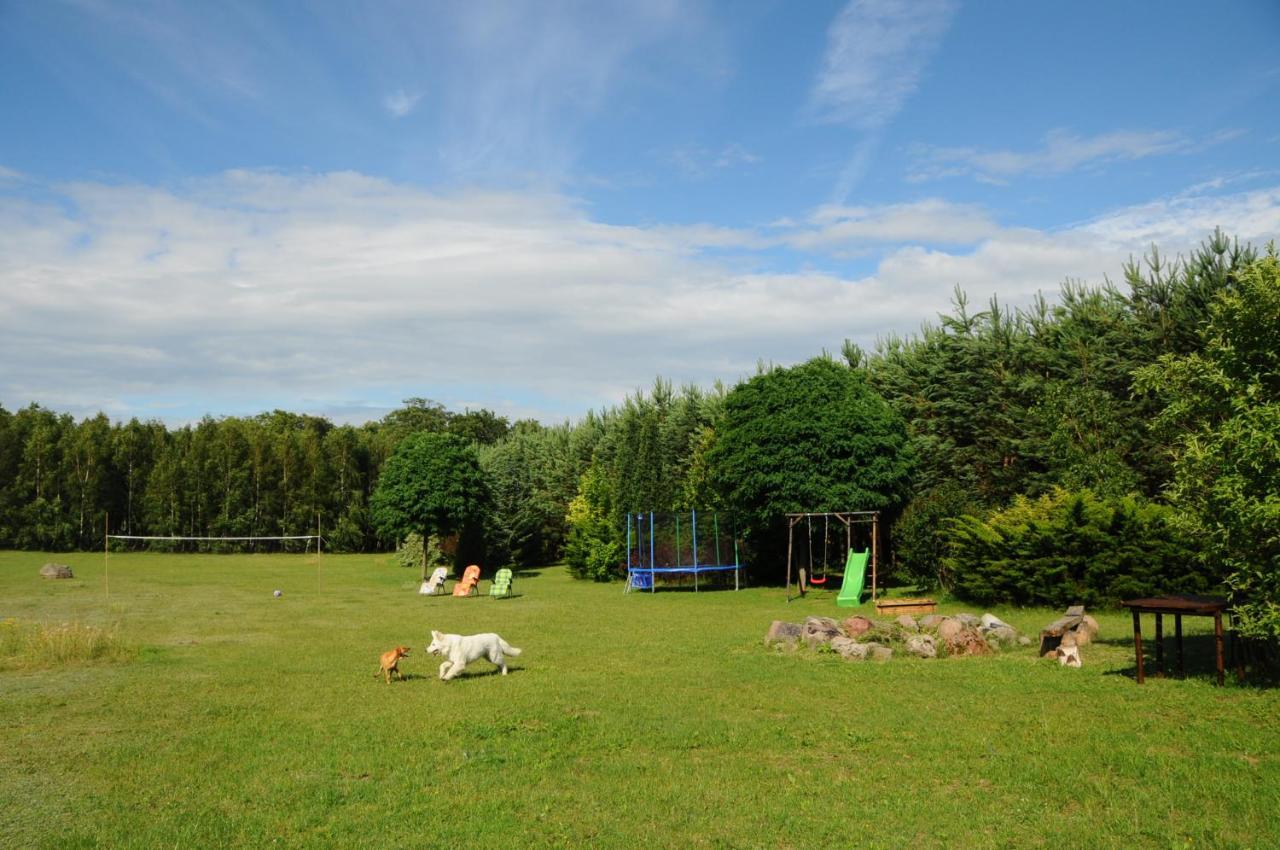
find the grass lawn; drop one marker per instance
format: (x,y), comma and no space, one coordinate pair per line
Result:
(235,719)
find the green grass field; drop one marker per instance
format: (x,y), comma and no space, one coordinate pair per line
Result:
(228,718)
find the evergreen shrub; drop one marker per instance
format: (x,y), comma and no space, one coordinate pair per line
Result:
(1065,548)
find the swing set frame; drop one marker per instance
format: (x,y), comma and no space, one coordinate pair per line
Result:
(847,518)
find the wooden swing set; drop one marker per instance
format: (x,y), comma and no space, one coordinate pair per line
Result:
(809,577)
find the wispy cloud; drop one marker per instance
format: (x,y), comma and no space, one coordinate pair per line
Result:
(336,291)
(876,53)
(400,103)
(698,161)
(932,221)
(1061,152)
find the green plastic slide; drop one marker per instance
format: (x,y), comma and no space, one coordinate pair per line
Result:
(855,575)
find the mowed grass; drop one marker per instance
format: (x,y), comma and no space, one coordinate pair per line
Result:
(242,720)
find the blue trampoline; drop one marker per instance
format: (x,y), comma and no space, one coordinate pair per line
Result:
(674,544)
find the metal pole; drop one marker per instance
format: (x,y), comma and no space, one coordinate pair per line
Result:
(653,583)
(627,589)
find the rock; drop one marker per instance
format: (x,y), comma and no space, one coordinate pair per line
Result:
(1023,640)
(818,630)
(1069,656)
(850,649)
(949,628)
(907,622)
(931,622)
(878,652)
(968,641)
(1002,636)
(968,619)
(991,621)
(1092,625)
(56,571)
(857,626)
(783,632)
(922,646)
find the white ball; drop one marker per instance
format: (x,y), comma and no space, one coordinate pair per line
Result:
(277,594)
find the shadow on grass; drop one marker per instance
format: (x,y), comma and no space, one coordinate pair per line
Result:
(1199,659)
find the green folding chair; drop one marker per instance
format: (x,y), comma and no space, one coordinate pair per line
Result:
(501,585)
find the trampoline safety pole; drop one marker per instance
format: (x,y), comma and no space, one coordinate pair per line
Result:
(694,524)
(653,584)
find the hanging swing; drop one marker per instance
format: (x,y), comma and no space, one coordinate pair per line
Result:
(814,578)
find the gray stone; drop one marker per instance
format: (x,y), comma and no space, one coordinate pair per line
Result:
(991,621)
(783,632)
(879,653)
(922,646)
(1023,640)
(850,649)
(56,571)
(818,630)
(1092,625)
(1001,636)
(930,622)
(968,619)
(907,622)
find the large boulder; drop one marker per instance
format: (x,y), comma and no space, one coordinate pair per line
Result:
(1086,631)
(922,646)
(968,619)
(818,630)
(56,571)
(783,632)
(930,622)
(857,626)
(907,622)
(967,641)
(850,649)
(949,628)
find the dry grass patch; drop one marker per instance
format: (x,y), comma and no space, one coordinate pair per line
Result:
(27,646)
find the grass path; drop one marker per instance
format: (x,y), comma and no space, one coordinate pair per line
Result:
(630,721)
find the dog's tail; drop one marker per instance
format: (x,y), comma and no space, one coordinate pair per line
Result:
(508,649)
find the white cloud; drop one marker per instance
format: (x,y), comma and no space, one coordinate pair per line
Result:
(400,103)
(931,221)
(1062,151)
(876,54)
(341,292)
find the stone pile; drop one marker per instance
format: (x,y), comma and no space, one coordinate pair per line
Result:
(860,638)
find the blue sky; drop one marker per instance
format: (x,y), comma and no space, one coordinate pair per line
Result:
(537,207)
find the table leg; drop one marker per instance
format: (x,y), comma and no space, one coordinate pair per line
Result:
(1160,646)
(1237,651)
(1137,644)
(1177,634)
(1217,639)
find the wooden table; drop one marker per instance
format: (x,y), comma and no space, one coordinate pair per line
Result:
(1179,607)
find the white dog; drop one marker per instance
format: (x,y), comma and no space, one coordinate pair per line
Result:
(461,650)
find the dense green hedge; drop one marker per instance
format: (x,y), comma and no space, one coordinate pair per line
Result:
(1066,548)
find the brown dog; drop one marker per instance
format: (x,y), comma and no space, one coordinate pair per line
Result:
(391,663)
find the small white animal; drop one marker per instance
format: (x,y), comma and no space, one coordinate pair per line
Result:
(461,650)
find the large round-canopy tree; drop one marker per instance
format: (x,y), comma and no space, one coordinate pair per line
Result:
(813,437)
(432,484)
